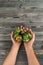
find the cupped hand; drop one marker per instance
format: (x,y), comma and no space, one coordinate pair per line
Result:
(30,43)
(15,43)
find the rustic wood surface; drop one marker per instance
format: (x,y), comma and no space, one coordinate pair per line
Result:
(14,13)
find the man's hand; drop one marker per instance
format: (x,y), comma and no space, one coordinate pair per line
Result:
(30,43)
(15,43)
(11,58)
(32,60)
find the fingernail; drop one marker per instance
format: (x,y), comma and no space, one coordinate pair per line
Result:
(27,28)
(21,26)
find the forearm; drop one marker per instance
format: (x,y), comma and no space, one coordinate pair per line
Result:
(11,58)
(32,60)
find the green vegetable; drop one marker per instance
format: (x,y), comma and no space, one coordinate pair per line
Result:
(17,30)
(21,35)
(27,37)
(19,38)
(22,32)
(30,36)
(15,35)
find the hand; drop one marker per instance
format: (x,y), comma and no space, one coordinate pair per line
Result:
(15,43)
(30,43)
(11,58)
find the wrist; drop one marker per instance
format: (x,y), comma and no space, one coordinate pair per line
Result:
(28,49)
(15,47)
(27,46)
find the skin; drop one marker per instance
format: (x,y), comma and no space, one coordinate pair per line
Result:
(11,58)
(32,60)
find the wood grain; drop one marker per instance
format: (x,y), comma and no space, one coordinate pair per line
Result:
(5,40)
(14,13)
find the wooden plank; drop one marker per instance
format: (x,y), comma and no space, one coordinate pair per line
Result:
(12,21)
(36,14)
(13,0)
(24,3)
(10,4)
(3,1)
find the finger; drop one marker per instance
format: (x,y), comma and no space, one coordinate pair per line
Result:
(13,40)
(30,30)
(21,26)
(34,35)
(27,29)
(11,35)
(8,34)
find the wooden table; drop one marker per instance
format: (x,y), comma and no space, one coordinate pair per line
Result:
(14,13)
